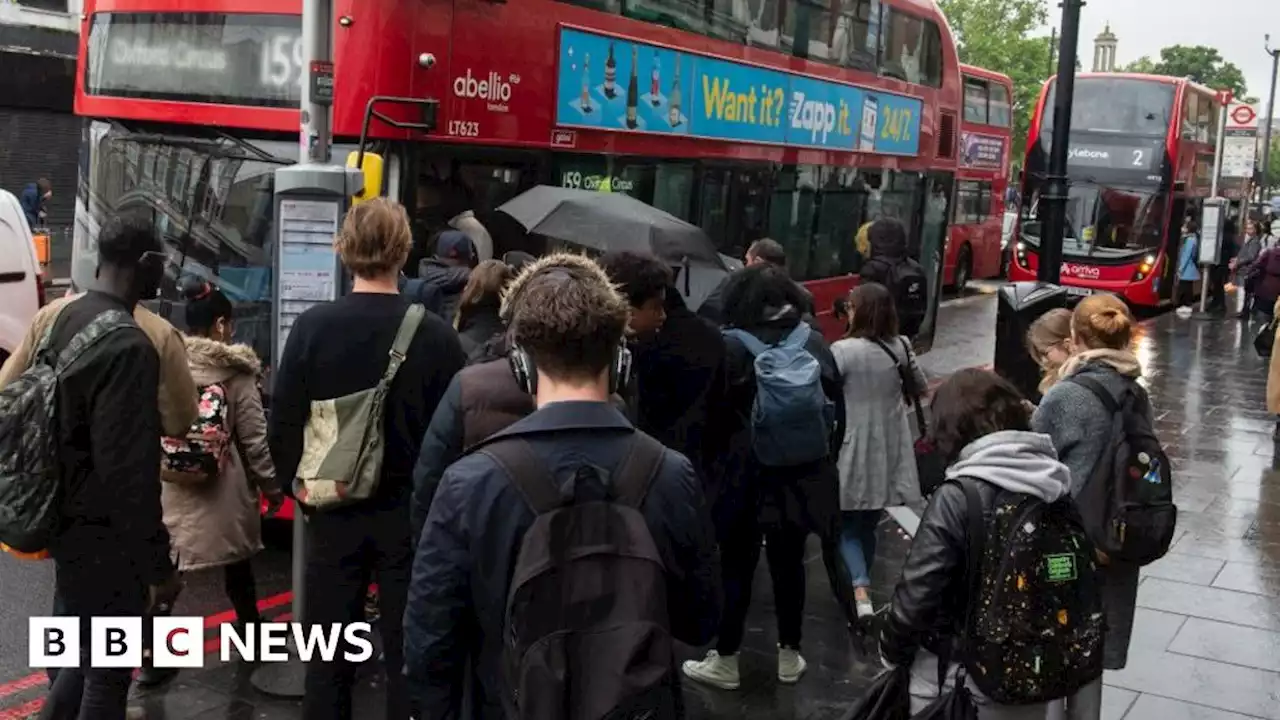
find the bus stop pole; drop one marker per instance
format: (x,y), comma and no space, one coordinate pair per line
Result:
(1207,270)
(1056,185)
(288,680)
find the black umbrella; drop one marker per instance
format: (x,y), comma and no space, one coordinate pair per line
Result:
(609,222)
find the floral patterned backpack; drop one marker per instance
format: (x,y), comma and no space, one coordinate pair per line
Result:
(197,458)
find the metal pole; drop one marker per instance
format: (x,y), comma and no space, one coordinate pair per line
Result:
(1206,271)
(1056,187)
(1266,135)
(317,47)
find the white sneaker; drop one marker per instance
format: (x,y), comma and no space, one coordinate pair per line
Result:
(790,665)
(865,609)
(716,670)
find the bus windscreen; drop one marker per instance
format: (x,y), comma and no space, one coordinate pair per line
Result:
(1105,222)
(1123,106)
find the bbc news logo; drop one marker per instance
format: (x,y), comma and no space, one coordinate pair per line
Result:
(179,642)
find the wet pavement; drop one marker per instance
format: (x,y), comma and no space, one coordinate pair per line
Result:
(1207,635)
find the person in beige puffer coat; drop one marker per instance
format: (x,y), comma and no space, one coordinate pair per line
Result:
(216,523)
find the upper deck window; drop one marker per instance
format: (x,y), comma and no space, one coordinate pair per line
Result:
(975,100)
(865,35)
(1001,107)
(1123,106)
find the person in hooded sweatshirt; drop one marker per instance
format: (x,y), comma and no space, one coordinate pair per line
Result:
(981,424)
(449,270)
(1081,426)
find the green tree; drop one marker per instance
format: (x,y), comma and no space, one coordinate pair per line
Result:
(1143,65)
(995,34)
(1202,64)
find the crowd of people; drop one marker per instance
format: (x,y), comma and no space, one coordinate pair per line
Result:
(561,472)
(1248,260)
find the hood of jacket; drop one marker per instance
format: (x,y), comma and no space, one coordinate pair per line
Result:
(888,249)
(1014,460)
(451,279)
(212,361)
(1122,362)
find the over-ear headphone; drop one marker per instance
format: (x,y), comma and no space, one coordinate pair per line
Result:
(526,372)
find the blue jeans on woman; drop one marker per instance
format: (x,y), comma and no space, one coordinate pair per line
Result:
(858,543)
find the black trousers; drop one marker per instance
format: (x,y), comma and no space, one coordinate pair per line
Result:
(346,550)
(242,590)
(94,580)
(739,555)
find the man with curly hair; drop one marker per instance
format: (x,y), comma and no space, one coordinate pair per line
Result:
(476,632)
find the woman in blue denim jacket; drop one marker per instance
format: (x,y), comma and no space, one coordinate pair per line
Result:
(1188,270)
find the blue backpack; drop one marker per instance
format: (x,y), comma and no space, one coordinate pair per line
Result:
(791,417)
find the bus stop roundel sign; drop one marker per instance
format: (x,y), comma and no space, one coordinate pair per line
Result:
(1243,115)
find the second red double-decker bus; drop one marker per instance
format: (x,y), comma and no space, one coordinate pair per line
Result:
(982,179)
(1140,159)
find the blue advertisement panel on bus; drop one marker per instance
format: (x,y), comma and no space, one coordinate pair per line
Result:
(614,84)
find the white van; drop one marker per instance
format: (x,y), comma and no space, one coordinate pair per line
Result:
(21,286)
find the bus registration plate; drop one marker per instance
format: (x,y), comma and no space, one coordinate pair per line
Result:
(1079,291)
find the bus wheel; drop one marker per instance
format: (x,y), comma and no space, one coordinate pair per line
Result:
(964,268)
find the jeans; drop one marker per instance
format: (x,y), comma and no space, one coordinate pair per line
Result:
(858,543)
(346,550)
(94,580)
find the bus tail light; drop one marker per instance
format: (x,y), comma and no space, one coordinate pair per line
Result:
(1145,268)
(1020,255)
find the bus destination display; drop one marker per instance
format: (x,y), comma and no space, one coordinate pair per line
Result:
(207,57)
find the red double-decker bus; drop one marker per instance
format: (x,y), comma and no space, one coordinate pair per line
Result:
(792,119)
(1140,160)
(973,242)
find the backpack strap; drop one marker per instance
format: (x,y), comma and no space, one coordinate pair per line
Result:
(799,335)
(752,343)
(977,539)
(404,338)
(635,474)
(903,371)
(527,473)
(1099,391)
(88,336)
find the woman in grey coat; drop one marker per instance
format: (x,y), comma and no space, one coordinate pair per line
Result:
(877,461)
(1080,426)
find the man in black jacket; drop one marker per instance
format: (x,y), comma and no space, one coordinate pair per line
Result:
(567,322)
(112,550)
(449,270)
(679,362)
(764,251)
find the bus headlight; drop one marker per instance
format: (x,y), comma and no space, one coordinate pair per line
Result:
(1145,268)
(1020,254)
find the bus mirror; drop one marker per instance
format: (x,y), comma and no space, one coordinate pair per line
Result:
(371,169)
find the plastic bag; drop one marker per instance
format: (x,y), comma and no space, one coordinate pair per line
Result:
(887,698)
(955,703)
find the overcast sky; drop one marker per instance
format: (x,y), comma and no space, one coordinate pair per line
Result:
(1234,27)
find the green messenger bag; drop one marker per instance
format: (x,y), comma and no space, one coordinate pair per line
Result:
(343,443)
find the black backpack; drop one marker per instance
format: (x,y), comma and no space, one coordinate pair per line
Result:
(587,633)
(1132,482)
(31,486)
(1034,630)
(907,283)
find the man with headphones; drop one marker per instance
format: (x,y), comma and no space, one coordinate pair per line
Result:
(569,539)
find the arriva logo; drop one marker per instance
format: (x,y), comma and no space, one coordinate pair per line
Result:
(1081,271)
(494,89)
(819,118)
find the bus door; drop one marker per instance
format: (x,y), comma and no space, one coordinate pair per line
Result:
(453,180)
(1172,246)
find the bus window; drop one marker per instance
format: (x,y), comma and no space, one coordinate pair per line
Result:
(975,101)
(673,189)
(911,49)
(806,31)
(857,35)
(1000,106)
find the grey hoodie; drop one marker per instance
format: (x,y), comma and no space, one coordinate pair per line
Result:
(1017,461)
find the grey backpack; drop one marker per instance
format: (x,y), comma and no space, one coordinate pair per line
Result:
(587,633)
(31,488)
